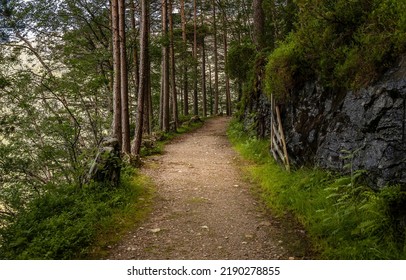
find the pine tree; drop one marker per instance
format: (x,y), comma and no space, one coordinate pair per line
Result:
(144,76)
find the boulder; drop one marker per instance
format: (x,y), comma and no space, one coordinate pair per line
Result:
(106,166)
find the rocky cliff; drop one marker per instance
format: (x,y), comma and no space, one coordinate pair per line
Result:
(342,130)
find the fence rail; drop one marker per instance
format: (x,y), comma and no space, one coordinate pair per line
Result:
(278,143)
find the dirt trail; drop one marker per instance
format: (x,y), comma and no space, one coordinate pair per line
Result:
(204,208)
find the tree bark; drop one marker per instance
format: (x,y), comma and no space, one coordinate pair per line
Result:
(195,95)
(165,69)
(149,93)
(125,118)
(173,69)
(147,101)
(117,129)
(204,93)
(216,74)
(225,38)
(184,56)
(210,91)
(135,49)
(144,76)
(161,96)
(259,22)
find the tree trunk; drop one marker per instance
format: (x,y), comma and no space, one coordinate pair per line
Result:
(144,76)
(161,95)
(204,79)
(239,90)
(147,101)
(210,91)
(117,129)
(149,94)
(173,80)
(228,93)
(125,118)
(195,95)
(216,74)
(151,109)
(135,50)
(165,69)
(184,56)
(259,22)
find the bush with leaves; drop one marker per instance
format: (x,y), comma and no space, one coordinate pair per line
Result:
(240,60)
(282,68)
(64,222)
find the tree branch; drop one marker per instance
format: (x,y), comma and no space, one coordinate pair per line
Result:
(37,55)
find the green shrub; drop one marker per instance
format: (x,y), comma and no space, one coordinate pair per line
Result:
(344,43)
(281,68)
(65,222)
(240,60)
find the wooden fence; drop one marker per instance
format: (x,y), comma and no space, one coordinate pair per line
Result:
(278,143)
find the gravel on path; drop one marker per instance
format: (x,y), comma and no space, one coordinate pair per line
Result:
(204,208)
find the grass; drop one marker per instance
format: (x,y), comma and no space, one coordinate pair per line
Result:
(124,219)
(345,220)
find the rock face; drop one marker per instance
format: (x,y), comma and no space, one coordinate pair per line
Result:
(106,166)
(340,130)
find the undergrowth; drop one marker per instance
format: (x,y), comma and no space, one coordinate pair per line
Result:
(344,218)
(342,44)
(75,223)
(68,222)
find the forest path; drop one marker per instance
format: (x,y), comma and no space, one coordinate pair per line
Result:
(204,208)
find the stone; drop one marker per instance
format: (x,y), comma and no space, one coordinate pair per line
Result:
(106,166)
(265,223)
(323,125)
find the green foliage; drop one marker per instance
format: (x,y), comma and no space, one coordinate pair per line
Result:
(280,18)
(240,60)
(280,71)
(345,219)
(64,222)
(3,82)
(344,43)
(54,113)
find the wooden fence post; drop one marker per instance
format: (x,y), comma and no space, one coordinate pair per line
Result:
(278,143)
